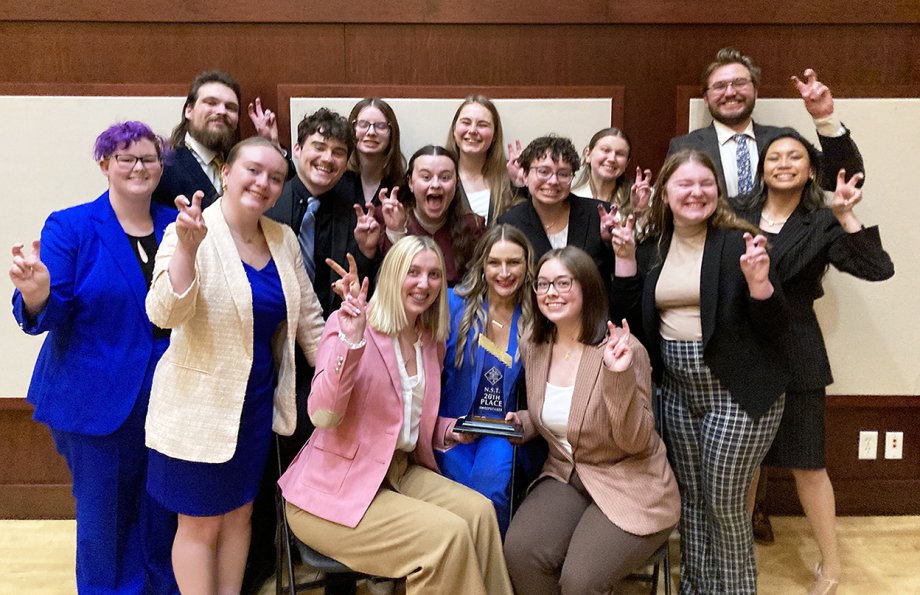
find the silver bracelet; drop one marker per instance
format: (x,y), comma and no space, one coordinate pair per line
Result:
(349,344)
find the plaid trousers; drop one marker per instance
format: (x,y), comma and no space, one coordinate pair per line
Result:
(714,447)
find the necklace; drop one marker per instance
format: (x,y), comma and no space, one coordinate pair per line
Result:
(772,222)
(497,321)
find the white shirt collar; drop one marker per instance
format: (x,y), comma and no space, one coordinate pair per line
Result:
(206,154)
(725,134)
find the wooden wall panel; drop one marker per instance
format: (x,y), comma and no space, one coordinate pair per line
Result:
(470,11)
(35,482)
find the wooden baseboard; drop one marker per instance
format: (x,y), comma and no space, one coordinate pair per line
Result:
(35,482)
(41,501)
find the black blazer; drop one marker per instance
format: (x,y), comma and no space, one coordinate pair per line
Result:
(801,253)
(182,174)
(741,336)
(839,152)
(584,233)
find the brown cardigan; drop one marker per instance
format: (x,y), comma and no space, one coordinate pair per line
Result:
(616,451)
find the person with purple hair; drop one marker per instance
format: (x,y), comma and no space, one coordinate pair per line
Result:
(84,284)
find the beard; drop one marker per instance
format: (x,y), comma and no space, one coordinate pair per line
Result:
(732,119)
(220,141)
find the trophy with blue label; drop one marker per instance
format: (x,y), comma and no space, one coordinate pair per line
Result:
(490,403)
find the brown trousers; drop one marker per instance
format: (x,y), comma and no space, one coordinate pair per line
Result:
(440,535)
(559,541)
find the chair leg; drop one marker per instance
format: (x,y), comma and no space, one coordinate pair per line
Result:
(654,580)
(667,573)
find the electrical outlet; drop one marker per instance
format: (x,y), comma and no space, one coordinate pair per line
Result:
(868,445)
(894,445)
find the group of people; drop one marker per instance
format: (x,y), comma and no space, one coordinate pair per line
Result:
(222,290)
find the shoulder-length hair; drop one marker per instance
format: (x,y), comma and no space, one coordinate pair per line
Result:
(661,220)
(594,309)
(394,166)
(812,197)
(620,194)
(387,313)
(457,222)
(474,288)
(495,169)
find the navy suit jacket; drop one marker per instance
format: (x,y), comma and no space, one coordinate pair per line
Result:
(839,152)
(182,174)
(94,361)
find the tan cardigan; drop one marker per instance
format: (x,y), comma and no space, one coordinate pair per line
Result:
(200,382)
(619,457)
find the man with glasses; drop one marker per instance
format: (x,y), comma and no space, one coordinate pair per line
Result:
(734,141)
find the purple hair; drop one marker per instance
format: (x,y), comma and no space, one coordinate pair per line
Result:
(120,135)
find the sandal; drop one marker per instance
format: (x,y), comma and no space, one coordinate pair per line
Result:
(823,585)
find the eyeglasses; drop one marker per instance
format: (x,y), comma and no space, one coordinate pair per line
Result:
(128,162)
(379,127)
(561,284)
(545,173)
(738,83)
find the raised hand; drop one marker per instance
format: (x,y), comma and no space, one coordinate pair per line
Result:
(846,196)
(367,230)
(394,213)
(265,121)
(515,171)
(641,191)
(353,315)
(623,238)
(618,355)
(348,281)
(190,226)
(817,97)
(608,220)
(30,276)
(755,264)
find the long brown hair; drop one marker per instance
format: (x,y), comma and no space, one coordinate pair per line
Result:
(594,309)
(494,170)
(474,287)
(661,220)
(394,168)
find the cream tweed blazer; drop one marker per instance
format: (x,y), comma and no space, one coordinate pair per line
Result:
(200,382)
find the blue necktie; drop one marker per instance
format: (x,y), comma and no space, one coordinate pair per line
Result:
(308,237)
(743,159)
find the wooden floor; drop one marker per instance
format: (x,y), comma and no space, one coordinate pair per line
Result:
(881,555)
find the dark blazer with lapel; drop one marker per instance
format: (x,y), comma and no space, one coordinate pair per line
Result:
(801,253)
(92,366)
(741,336)
(183,175)
(617,453)
(839,152)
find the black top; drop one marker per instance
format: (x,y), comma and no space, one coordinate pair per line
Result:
(145,250)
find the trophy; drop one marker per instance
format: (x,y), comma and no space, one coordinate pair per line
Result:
(487,414)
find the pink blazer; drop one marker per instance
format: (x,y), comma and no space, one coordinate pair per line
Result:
(356,404)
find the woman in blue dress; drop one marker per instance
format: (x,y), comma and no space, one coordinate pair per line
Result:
(232,286)
(490,310)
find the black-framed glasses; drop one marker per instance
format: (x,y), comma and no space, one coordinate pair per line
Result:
(379,127)
(560,284)
(545,173)
(741,82)
(129,161)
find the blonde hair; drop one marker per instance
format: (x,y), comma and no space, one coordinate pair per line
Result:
(387,312)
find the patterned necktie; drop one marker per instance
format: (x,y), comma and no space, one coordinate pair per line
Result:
(218,164)
(743,159)
(308,236)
